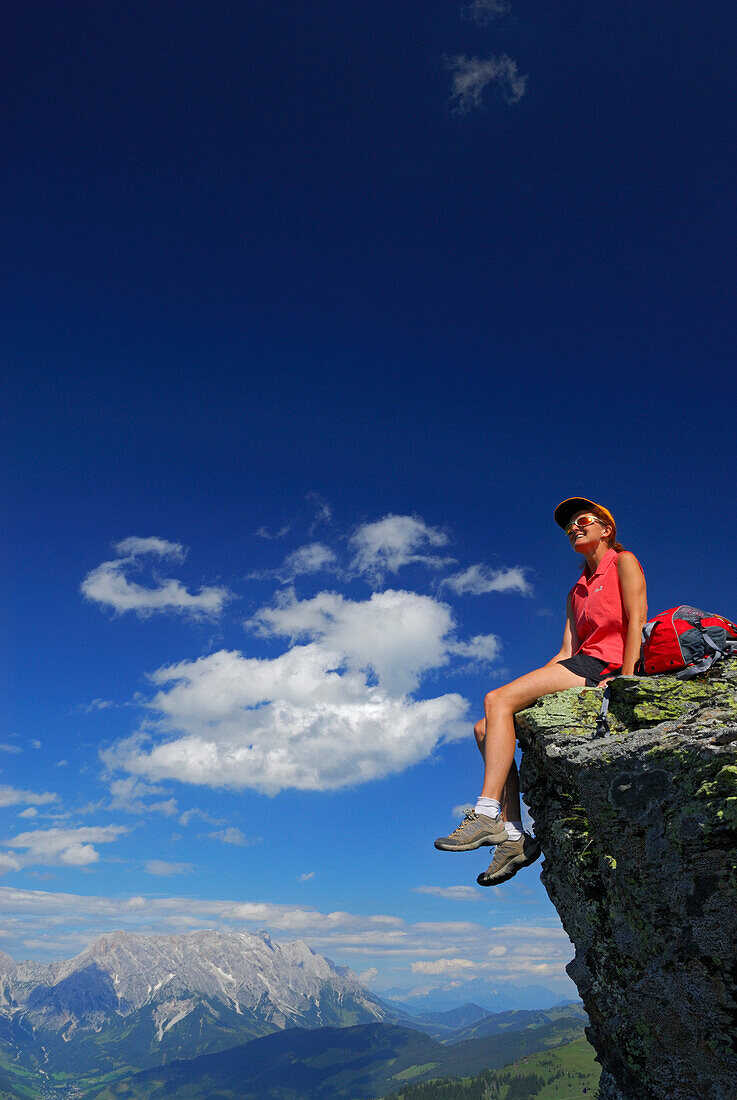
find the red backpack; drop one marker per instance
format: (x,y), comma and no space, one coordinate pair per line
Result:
(685,641)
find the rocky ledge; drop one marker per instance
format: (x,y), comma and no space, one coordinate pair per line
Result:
(639,832)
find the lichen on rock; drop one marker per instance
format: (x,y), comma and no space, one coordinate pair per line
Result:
(639,832)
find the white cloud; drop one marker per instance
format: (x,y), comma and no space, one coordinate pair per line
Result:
(8,863)
(471,75)
(482,648)
(313,558)
(367,976)
(323,511)
(329,713)
(477,580)
(485,11)
(202,815)
(444,966)
(162,868)
(518,952)
(109,583)
(339,732)
(306,877)
(231,835)
(11,796)
(10,748)
(71,847)
(136,547)
(128,795)
(99,704)
(397,635)
(264,533)
(394,541)
(454,893)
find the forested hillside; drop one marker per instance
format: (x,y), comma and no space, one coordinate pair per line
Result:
(565,1073)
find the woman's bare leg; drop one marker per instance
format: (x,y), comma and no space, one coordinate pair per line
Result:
(500,707)
(511,808)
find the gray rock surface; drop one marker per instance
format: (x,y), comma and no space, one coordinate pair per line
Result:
(639,833)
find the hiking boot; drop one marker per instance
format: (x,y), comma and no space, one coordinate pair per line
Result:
(509,858)
(473,832)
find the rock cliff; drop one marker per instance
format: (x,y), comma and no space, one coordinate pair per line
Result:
(639,832)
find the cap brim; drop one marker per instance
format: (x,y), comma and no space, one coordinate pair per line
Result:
(569,507)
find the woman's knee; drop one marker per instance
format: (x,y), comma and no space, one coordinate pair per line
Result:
(496,702)
(479,731)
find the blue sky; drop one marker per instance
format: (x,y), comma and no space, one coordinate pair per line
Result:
(311,316)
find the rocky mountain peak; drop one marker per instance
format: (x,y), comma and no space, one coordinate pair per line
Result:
(124,973)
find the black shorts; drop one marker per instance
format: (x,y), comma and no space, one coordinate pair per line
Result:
(593,669)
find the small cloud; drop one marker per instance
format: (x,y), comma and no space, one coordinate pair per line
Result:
(367,976)
(69,847)
(444,966)
(323,511)
(306,877)
(31,811)
(485,11)
(189,815)
(393,542)
(472,75)
(8,863)
(35,744)
(264,533)
(62,763)
(10,748)
(162,868)
(454,893)
(128,795)
(109,583)
(231,835)
(478,580)
(135,547)
(482,649)
(12,796)
(313,558)
(99,704)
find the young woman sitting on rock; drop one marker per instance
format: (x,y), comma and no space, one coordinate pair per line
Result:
(605,613)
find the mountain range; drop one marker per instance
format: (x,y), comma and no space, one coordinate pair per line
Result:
(119,974)
(132,1003)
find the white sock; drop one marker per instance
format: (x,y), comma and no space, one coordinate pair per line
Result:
(514,829)
(489,807)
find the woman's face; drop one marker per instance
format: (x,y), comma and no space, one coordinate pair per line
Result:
(585,539)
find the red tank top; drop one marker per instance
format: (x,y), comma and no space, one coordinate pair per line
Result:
(598,612)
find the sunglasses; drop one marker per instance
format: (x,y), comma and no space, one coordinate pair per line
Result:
(582,521)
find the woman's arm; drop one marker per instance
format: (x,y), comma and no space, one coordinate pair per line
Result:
(634,597)
(570,638)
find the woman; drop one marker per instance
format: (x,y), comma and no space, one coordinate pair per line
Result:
(605,613)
